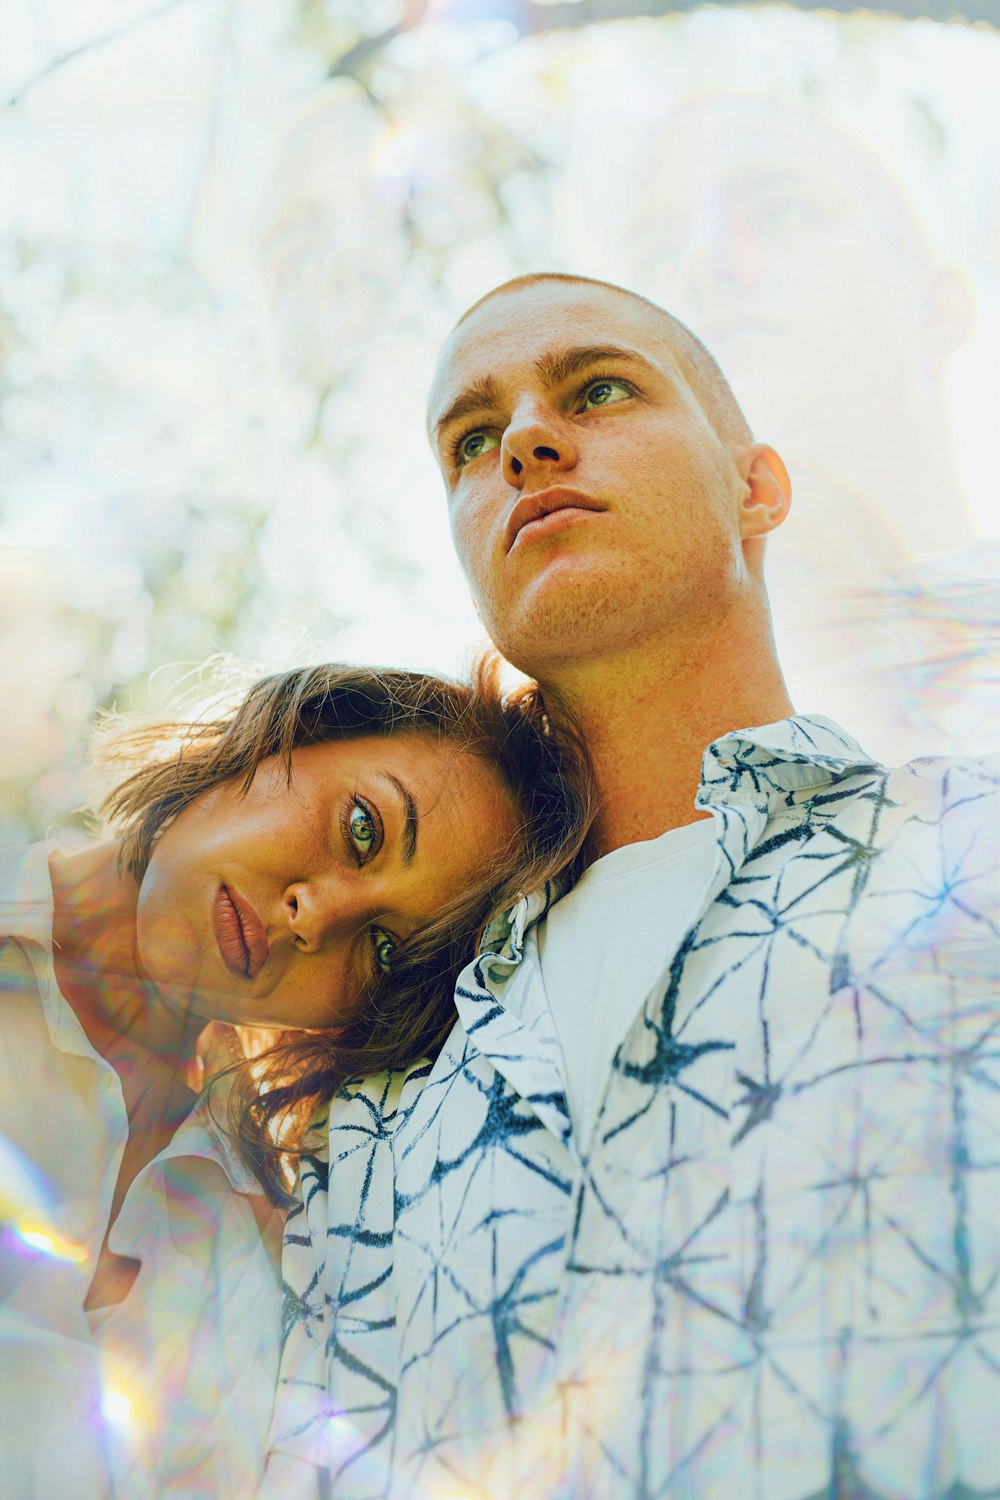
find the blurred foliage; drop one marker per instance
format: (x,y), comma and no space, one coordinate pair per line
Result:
(190,304)
(237,233)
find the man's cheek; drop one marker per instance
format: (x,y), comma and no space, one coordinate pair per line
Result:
(471,532)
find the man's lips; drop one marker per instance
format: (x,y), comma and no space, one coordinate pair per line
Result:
(545,503)
(239,933)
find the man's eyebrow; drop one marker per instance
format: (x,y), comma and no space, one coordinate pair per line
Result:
(483,393)
(557,367)
(410,819)
(554,369)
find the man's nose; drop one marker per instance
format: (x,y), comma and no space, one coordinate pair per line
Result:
(317,910)
(535,440)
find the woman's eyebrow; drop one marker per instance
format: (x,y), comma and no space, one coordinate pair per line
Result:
(410,817)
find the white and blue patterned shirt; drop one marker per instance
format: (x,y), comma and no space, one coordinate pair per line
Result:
(772,1270)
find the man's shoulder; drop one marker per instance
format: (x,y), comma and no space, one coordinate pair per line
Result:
(919,777)
(949,797)
(949,782)
(931,814)
(922,837)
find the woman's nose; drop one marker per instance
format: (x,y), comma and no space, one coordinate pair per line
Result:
(535,440)
(316,912)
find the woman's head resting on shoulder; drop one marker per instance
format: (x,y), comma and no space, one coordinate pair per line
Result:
(322,860)
(278,903)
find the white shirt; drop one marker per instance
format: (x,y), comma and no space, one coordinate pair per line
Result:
(603,946)
(773,1270)
(169,1393)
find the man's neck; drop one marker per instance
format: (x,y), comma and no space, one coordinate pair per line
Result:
(648,715)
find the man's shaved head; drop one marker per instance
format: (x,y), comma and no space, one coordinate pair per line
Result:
(603,484)
(698,367)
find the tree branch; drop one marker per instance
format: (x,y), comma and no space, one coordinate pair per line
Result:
(352,62)
(535,18)
(91,46)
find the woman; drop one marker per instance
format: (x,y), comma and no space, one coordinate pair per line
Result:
(317,864)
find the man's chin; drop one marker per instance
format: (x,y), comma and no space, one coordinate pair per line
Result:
(558,626)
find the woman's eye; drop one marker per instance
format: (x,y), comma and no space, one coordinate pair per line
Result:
(474,445)
(363,831)
(605,393)
(383,947)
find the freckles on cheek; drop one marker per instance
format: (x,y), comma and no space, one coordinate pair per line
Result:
(471,531)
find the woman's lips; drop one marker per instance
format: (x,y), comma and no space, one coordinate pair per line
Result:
(239,933)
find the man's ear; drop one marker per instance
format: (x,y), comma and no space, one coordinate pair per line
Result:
(767,492)
(949,310)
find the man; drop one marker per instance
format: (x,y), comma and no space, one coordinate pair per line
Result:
(697,1200)
(817,280)
(797,255)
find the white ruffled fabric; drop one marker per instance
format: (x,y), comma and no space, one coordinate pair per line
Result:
(169,1393)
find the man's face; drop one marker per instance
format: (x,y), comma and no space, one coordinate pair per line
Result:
(796,258)
(593,506)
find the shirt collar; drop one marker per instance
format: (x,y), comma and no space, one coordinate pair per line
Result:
(762,766)
(503,941)
(767,763)
(202,1133)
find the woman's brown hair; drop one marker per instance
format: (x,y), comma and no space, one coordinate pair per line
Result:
(409,1010)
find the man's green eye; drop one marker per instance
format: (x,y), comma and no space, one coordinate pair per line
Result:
(606,392)
(383,946)
(474,445)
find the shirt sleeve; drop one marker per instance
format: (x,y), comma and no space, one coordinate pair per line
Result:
(868,1206)
(336,1394)
(301,1405)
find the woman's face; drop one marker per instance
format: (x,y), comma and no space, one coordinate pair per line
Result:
(277,908)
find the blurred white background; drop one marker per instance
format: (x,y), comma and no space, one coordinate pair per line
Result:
(235,232)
